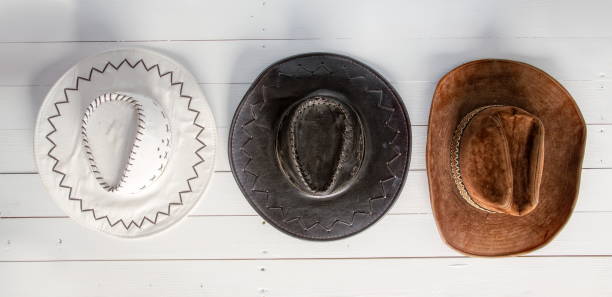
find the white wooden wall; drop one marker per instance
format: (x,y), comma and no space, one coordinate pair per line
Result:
(223,248)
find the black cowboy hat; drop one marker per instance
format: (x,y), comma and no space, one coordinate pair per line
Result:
(320,146)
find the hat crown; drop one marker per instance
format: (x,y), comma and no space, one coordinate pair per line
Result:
(501,156)
(320,144)
(126,141)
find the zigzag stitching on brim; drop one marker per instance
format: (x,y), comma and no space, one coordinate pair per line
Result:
(337,220)
(193,167)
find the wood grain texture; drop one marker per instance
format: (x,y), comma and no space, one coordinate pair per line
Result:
(248,237)
(205,20)
(558,276)
(223,248)
(240,61)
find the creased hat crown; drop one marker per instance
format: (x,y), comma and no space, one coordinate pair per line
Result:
(498,159)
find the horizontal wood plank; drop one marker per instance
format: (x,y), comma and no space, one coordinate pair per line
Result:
(242,60)
(221,237)
(190,19)
(510,277)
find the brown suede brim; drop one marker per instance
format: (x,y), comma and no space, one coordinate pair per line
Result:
(490,82)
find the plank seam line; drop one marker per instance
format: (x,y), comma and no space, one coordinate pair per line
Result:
(229,171)
(568,37)
(294,259)
(393,82)
(195,216)
(175,40)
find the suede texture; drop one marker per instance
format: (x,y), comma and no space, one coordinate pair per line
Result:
(530,216)
(501,159)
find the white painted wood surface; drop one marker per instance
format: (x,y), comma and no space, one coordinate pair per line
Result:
(223,248)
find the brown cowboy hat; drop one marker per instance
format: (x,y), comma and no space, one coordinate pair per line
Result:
(504,154)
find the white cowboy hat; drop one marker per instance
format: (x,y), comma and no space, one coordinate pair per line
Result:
(125,142)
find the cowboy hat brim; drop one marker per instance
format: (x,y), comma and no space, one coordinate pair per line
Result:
(502,82)
(252,146)
(63,162)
